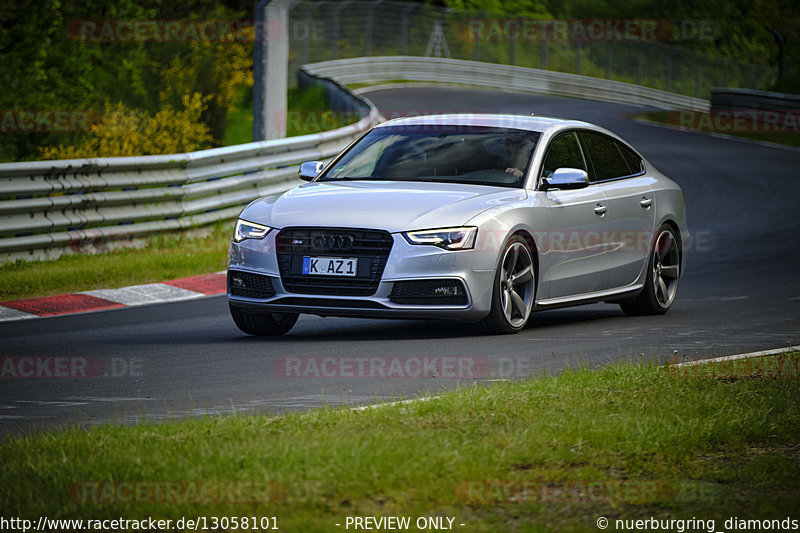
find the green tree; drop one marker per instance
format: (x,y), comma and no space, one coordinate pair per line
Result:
(49,64)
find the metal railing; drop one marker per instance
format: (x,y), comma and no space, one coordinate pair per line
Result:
(51,207)
(323,30)
(48,208)
(521,79)
(747,99)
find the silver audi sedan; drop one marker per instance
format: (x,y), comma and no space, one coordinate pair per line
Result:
(480,218)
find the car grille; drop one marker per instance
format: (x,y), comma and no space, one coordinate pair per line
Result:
(252,285)
(371,247)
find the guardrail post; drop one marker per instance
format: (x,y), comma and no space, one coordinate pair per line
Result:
(336,23)
(512,53)
(368,32)
(668,73)
(640,65)
(404,24)
(476,39)
(543,54)
(309,21)
(698,79)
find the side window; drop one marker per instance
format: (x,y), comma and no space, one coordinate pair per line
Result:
(605,156)
(634,161)
(564,151)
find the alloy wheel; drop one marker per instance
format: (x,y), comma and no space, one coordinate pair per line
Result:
(666,268)
(517,284)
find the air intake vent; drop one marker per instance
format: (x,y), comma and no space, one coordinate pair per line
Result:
(250,285)
(429,292)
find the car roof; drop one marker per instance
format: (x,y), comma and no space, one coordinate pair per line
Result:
(522,122)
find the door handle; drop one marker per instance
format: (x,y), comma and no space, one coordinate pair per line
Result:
(600,210)
(646,202)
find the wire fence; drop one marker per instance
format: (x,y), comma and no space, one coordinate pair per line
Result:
(621,50)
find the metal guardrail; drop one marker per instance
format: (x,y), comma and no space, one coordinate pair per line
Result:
(324,30)
(742,99)
(435,69)
(51,207)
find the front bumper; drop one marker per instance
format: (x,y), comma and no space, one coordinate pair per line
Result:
(406,262)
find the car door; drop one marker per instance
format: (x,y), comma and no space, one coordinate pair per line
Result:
(620,175)
(572,247)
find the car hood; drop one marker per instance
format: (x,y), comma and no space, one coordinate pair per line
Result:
(390,205)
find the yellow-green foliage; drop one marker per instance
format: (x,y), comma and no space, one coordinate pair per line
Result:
(215,69)
(197,90)
(123,131)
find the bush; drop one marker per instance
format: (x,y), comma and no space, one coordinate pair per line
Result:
(123,131)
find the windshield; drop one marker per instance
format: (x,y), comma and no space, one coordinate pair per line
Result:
(450,154)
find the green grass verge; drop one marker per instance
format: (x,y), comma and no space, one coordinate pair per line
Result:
(157,258)
(678,444)
(706,122)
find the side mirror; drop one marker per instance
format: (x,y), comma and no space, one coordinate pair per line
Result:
(566,178)
(309,170)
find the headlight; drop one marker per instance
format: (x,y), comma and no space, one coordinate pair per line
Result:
(249,230)
(447,238)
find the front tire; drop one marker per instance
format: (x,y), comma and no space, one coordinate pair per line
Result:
(663,273)
(263,324)
(514,289)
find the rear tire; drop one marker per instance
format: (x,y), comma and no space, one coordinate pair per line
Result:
(514,289)
(263,324)
(663,274)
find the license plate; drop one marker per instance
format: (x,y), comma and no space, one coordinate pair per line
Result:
(330,266)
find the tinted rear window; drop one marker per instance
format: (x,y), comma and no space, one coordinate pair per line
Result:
(635,162)
(605,156)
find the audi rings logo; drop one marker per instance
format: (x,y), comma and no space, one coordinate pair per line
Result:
(329,241)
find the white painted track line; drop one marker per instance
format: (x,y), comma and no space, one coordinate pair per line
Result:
(776,351)
(6,313)
(144,294)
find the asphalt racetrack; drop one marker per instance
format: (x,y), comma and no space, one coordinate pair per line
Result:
(740,292)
